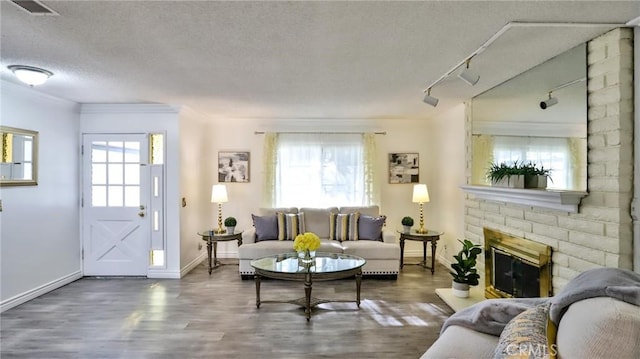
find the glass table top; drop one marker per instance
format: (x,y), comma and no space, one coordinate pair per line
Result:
(324,263)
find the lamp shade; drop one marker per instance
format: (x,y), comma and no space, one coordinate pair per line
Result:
(420,193)
(219,193)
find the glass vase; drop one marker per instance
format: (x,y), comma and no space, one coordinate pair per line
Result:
(307,256)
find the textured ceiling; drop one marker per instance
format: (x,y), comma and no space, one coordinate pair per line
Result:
(291,60)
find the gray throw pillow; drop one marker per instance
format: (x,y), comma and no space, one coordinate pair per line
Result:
(370,227)
(266,227)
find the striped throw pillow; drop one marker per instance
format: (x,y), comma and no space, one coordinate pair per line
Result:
(344,226)
(290,225)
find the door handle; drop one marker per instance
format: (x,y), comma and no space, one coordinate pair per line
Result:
(141,214)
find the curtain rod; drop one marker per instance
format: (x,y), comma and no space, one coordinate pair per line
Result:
(320,133)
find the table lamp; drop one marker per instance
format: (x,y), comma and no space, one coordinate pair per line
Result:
(219,196)
(421,195)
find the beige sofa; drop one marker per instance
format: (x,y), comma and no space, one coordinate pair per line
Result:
(592,321)
(382,256)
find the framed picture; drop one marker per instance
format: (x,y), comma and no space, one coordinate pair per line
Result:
(233,166)
(404,168)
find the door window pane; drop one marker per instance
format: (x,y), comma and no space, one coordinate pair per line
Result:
(98,151)
(132,174)
(132,151)
(98,196)
(131,196)
(115,174)
(99,174)
(114,196)
(115,151)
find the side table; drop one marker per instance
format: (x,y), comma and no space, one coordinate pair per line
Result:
(212,240)
(430,237)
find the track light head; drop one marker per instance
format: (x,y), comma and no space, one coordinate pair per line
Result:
(430,100)
(548,102)
(468,76)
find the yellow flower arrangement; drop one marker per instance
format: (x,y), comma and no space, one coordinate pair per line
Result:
(308,241)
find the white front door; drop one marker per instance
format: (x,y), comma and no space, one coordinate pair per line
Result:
(116,228)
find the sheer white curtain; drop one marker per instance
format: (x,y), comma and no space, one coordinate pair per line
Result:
(270,160)
(320,170)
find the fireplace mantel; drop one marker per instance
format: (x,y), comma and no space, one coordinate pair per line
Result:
(566,201)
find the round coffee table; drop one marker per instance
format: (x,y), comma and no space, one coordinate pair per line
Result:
(326,266)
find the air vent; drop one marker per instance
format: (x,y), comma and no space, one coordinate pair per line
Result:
(34,7)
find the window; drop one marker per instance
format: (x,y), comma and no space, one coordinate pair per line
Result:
(321,170)
(552,153)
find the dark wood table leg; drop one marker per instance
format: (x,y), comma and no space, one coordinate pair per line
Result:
(239,241)
(216,263)
(209,245)
(307,295)
(257,280)
(424,253)
(401,252)
(358,282)
(433,256)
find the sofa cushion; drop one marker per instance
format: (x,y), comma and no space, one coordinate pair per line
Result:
(290,225)
(266,227)
(370,228)
(272,211)
(460,342)
(525,336)
(600,327)
(344,226)
(372,211)
(317,220)
(263,249)
(372,250)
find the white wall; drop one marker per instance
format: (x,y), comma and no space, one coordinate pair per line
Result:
(195,188)
(395,199)
(40,242)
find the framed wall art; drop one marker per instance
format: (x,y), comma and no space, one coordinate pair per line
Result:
(233,166)
(404,168)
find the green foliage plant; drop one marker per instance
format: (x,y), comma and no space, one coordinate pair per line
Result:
(464,268)
(407,221)
(230,222)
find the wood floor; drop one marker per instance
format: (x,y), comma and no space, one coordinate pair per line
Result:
(202,316)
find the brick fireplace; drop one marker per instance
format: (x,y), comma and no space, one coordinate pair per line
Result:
(600,234)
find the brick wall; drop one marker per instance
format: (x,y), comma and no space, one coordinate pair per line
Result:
(600,234)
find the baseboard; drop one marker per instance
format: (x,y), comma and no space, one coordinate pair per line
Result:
(194,263)
(163,274)
(38,291)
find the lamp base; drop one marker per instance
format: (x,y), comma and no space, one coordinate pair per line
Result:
(422,230)
(220,231)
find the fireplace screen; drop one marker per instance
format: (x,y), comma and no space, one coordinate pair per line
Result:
(514,276)
(516,267)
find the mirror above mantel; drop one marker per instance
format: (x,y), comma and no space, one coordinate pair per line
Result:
(509,123)
(19,157)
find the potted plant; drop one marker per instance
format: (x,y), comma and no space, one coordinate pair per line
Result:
(230,223)
(503,175)
(464,268)
(535,177)
(407,222)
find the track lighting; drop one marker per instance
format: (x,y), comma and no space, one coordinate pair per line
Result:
(548,102)
(430,100)
(30,75)
(468,76)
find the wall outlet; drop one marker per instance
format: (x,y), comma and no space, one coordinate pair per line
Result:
(199,246)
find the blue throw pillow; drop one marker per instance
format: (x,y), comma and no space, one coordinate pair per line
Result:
(370,227)
(266,227)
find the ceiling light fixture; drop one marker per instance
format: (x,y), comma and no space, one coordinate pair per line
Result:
(468,76)
(430,100)
(32,76)
(548,102)
(513,24)
(552,100)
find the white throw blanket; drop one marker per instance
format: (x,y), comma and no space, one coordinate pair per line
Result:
(490,316)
